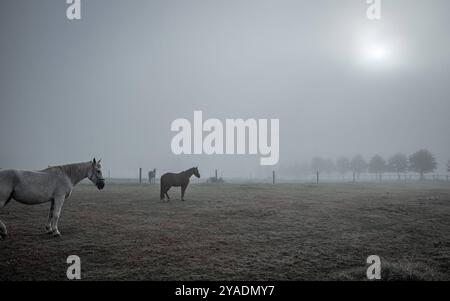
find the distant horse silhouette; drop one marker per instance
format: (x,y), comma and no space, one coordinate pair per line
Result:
(152,176)
(181,179)
(54,185)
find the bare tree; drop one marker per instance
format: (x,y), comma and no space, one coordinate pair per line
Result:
(398,163)
(328,166)
(320,165)
(358,165)
(377,166)
(422,162)
(316,164)
(343,166)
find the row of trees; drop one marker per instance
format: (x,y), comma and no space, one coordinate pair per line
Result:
(421,162)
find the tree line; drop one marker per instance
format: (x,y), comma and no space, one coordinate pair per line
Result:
(421,162)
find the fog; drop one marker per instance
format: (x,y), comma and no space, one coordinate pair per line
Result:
(110,85)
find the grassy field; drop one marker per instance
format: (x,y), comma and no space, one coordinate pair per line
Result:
(236,232)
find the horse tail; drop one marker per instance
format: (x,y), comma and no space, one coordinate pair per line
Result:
(6,177)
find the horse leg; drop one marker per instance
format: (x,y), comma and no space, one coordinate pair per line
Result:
(162,191)
(56,214)
(183,189)
(48,227)
(168,197)
(3,231)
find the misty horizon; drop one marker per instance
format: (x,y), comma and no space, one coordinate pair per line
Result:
(110,85)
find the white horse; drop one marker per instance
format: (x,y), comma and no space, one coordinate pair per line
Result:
(54,185)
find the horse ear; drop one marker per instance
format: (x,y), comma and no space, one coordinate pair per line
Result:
(94,161)
(99,161)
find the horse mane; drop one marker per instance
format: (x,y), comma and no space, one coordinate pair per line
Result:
(75,171)
(188,170)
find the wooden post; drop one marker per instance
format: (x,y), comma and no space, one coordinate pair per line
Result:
(216,175)
(317,178)
(273,177)
(354,177)
(140,175)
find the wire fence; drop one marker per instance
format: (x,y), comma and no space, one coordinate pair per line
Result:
(275,177)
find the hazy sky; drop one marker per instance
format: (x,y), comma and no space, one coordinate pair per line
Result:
(110,84)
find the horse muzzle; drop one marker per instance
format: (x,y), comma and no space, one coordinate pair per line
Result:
(100,184)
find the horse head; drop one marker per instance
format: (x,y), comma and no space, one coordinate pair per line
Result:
(196,173)
(95,174)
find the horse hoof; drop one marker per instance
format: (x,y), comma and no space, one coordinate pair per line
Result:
(56,234)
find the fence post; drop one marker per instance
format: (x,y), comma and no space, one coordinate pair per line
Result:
(317,178)
(216,175)
(354,177)
(140,175)
(273,177)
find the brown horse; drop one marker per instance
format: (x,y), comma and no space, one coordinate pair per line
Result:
(181,179)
